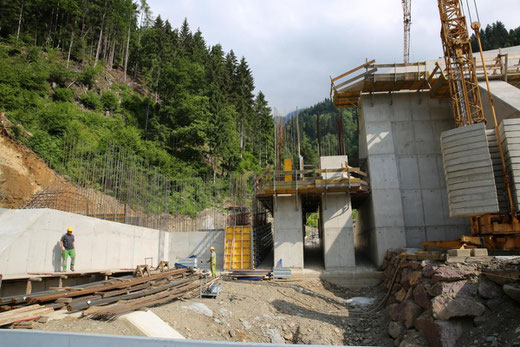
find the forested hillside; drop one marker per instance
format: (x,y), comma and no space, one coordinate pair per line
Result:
(105,72)
(328,123)
(496,36)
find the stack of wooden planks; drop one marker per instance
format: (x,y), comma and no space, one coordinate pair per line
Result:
(105,299)
(23,314)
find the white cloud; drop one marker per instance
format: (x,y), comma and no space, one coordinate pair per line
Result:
(293,46)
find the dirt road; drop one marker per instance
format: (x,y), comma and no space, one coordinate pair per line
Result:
(306,312)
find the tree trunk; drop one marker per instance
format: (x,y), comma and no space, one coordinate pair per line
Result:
(105,47)
(111,55)
(50,28)
(127,48)
(19,22)
(70,48)
(99,40)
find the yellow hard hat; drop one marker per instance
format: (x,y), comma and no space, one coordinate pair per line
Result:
(69,229)
(212,248)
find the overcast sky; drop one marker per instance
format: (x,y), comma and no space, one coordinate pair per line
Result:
(293,46)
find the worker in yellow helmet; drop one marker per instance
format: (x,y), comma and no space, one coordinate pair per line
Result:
(213,261)
(68,249)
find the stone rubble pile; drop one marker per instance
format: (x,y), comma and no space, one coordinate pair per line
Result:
(432,302)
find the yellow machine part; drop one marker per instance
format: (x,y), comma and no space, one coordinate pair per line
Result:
(237,251)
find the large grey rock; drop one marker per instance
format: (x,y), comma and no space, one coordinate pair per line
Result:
(512,291)
(464,288)
(488,289)
(438,333)
(395,329)
(421,296)
(395,311)
(428,269)
(410,312)
(445,307)
(413,338)
(448,273)
(495,304)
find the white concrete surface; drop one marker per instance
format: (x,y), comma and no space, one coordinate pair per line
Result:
(29,242)
(506,99)
(338,235)
(400,141)
(288,232)
(185,244)
(149,324)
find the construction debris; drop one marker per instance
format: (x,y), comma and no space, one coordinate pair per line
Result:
(251,275)
(107,299)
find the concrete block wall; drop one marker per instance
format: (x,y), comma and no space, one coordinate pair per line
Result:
(29,242)
(288,231)
(400,141)
(468,170)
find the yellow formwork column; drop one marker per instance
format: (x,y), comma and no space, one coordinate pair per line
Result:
(237,253)
(287,166)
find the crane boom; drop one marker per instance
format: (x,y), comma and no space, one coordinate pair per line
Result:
(460,66)
(407,21)
(467,107)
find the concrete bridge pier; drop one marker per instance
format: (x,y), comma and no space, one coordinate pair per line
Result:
(338,234)
(288,231)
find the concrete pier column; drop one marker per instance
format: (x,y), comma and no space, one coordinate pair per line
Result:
(338,234)
(288,232)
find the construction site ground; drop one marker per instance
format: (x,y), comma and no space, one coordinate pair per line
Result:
(308,311)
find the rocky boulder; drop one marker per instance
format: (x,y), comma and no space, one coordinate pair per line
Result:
(445,307)
(448,273)
(488,289)
(438,333)
(512,291)
(459,288)
(396,329)
(410,312)
(395,311)
(428,269)
(421,296)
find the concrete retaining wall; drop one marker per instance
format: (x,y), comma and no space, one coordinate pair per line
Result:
(29,242)
(185,244)
(400,141)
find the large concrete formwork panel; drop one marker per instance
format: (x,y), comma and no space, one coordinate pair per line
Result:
(494,151)
(468,170)
(288,231)
(510,136)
